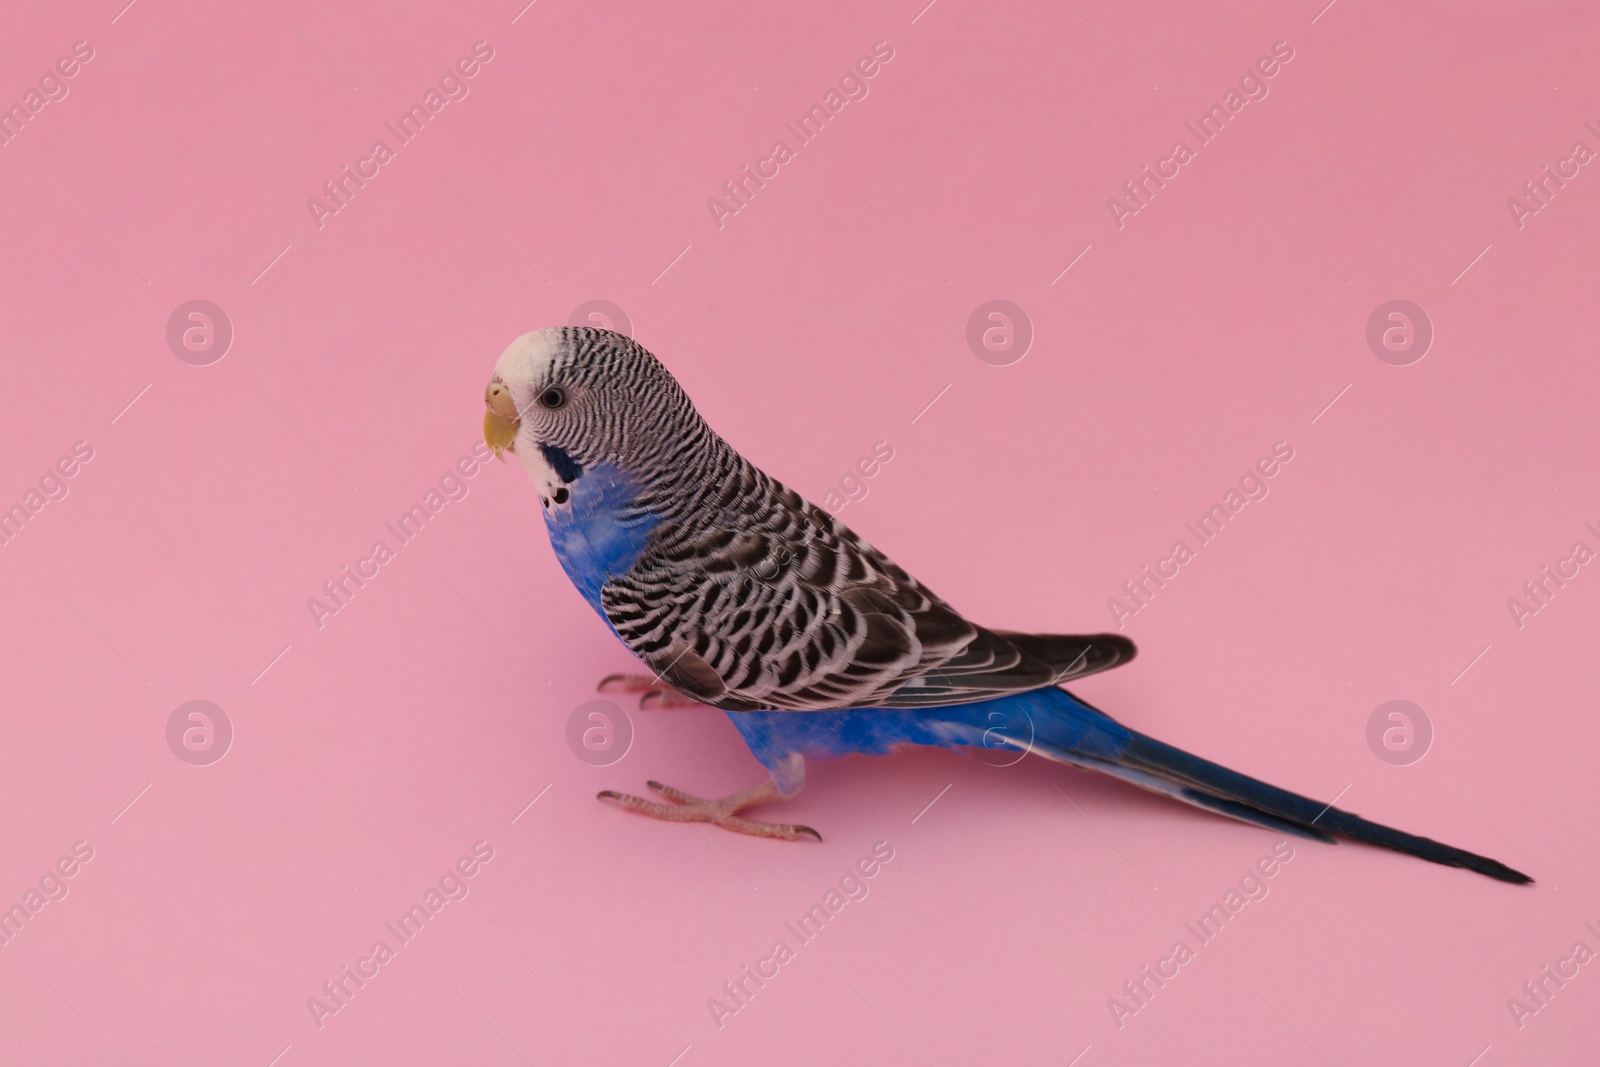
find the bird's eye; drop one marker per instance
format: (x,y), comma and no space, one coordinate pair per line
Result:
(553,397)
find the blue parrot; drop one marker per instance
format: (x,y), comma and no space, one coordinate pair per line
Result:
(738,593)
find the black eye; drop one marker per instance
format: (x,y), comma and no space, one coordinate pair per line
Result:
(553,397)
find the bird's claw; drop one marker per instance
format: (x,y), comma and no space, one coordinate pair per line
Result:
(682,807)
(654,692)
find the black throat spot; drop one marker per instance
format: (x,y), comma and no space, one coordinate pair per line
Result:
(566,468)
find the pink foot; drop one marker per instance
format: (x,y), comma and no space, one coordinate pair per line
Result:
(656,693)
(723,812)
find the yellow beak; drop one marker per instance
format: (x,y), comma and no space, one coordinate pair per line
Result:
(500,422)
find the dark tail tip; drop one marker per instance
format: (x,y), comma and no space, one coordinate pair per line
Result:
(1356,828)
(1498,871)
(1252,800)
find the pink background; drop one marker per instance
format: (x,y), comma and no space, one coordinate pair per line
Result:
(370,754)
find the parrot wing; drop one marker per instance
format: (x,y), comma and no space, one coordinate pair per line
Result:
(784,607)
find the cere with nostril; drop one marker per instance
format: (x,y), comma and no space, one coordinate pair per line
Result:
(500,421)
(498,398)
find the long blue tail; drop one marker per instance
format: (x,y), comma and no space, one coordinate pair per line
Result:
(1146,762)
(1057,725)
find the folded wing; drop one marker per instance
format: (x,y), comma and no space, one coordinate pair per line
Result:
(781,606)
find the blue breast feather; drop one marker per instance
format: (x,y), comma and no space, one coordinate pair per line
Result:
(599,535)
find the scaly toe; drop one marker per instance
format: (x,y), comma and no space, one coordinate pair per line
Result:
(783,831)
(657,810)
(663,698)
(629,683)
(678,796)
(653,692)
(723,812)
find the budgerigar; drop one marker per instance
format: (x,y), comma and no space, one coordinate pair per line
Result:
(738,593)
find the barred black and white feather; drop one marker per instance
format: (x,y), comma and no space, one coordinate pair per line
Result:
(745,595)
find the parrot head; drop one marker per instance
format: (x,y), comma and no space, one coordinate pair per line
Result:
(567,398)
